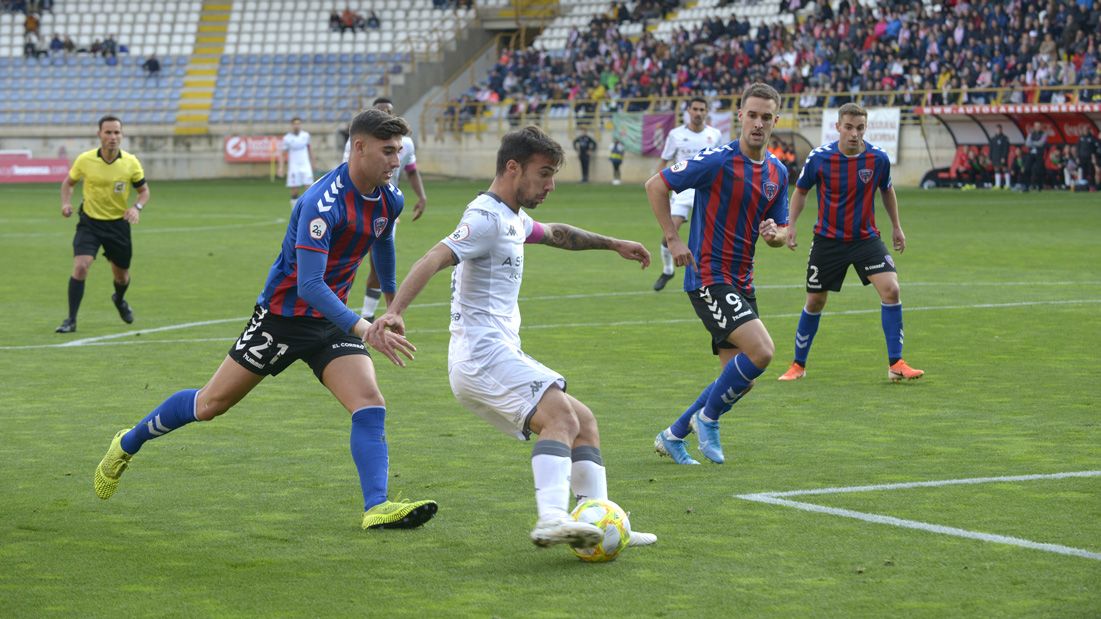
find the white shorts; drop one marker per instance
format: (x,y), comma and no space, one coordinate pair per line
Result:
(680,203)
(504,394)
(300,176)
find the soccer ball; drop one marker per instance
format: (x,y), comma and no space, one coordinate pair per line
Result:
(612,520)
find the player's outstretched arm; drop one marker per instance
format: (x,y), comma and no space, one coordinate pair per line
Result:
(890,204)
(418,188)
(657,192)
(774,235)
(565,236)
(392,323)
(798,203)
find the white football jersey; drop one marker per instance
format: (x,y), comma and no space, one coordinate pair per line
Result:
(407,156)
(683,143)
(298,149)
(485,286)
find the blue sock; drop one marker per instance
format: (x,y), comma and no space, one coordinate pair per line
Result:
(370,454)
(804,335)
(733,382)
(892,330)
(178,410)
(680,427)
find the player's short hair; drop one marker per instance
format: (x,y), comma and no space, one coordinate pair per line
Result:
(382,100)
(761,90)
(378,124)
(296,119)
(521,145)
(109,118)
(852,109)
(695,99)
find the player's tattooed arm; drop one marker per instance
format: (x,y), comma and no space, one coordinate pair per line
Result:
(565,236)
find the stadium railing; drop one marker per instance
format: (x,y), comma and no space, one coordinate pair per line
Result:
(495,118)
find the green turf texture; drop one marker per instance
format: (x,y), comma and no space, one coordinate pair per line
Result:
(257,513)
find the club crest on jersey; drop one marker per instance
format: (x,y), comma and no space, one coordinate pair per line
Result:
(679,166)
(380,225)
(865,175)
(770,189)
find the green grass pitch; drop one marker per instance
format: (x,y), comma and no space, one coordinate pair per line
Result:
(257,513)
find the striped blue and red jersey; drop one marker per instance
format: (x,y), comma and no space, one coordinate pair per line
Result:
(734,194)
(846,189)
(333,218)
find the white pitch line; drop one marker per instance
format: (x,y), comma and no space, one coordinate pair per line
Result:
(99,340)
(773,498)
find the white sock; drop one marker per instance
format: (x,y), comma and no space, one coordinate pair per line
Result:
(550,465)
(666,260)
(1007,181)
(370,301)
(997,180)
(588,479)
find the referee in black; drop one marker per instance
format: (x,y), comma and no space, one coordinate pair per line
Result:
(105,216)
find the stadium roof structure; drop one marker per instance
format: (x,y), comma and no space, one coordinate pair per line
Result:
(974,124)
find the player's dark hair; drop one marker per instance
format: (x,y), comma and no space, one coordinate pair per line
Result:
(298,118)
(523,144)
(381,100)
(761,90)
(852,109)
(379,124)
(695,99)
(109,118)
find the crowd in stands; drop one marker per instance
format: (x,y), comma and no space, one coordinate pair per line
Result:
(902,51)
(27,6)
(452,4)
(62,45)
(350,21)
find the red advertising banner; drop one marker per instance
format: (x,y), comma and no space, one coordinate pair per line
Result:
(251,148)
(23,168)
(1018,108)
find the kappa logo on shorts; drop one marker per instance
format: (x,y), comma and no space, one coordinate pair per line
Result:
(770,189)
(865,175)
(380,225)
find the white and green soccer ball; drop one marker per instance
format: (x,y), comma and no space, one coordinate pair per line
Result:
(612,520)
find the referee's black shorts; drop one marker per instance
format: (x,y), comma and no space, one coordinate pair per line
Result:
(112,234)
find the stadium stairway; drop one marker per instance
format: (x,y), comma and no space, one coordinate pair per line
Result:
(197,97)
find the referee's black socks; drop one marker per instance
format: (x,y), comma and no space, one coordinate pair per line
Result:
(76,294)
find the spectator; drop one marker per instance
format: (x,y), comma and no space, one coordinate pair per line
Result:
(110,47)
(373,21)
(1034,159)
(334,21)
(1089,150)
(584,145)
(31,23)
(152,66)
(56,45)
(96,48)
(1072,170)
(615,155)
(68,46)
(348,20)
